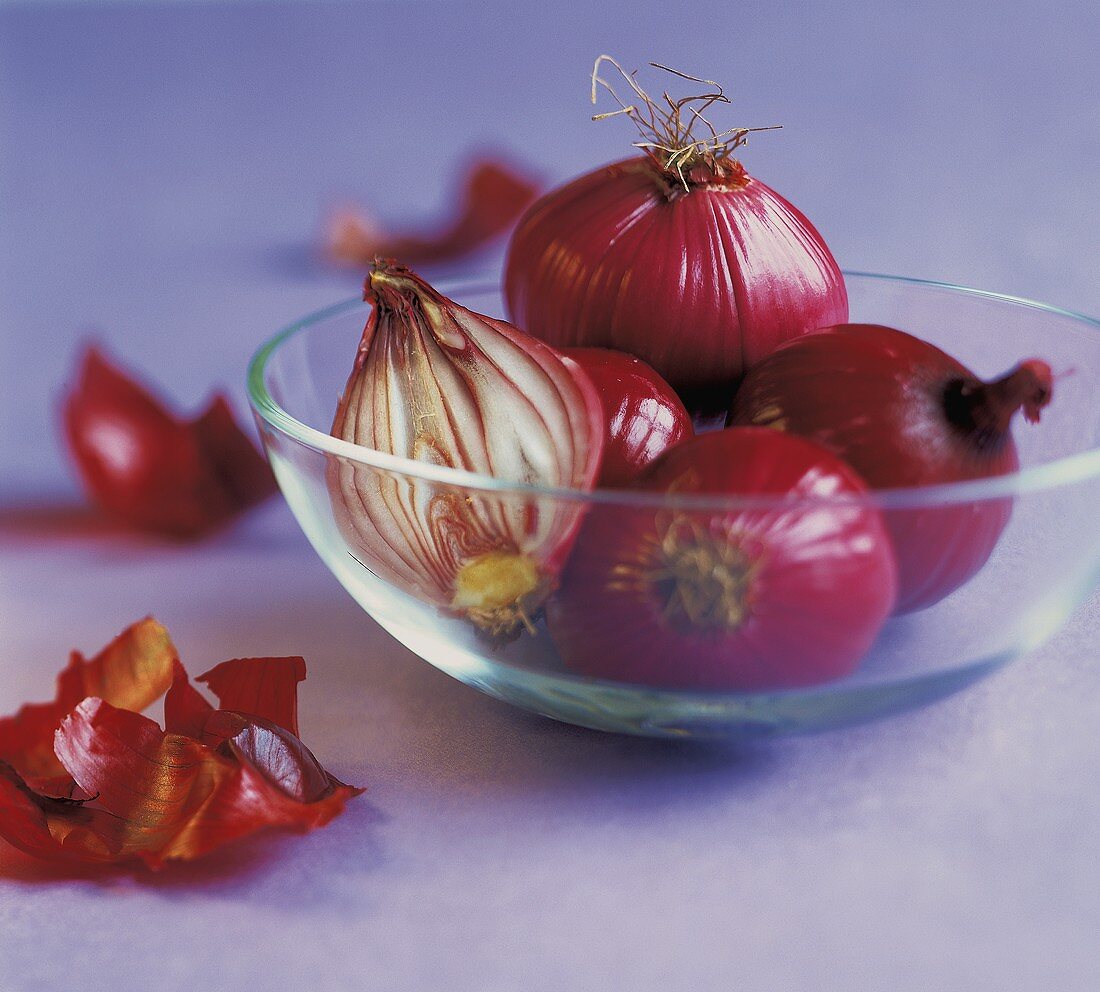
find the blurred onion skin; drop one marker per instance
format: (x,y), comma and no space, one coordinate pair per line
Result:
(701,283)
(790,593)
(152,470)
(903,414)
(644,415)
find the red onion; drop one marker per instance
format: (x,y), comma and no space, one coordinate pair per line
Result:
(643,415)
(438,383)
(903,413)
(789,593)
(678,257)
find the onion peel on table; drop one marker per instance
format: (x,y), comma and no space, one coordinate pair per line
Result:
(492,197)
(153,470)
(132,672)
(129,792)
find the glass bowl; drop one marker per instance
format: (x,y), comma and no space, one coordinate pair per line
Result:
(1046,561)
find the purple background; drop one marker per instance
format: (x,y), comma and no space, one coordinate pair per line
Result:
(163,172)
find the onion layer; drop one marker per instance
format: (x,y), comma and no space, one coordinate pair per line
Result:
(903,413)
(437,383)
(791,593)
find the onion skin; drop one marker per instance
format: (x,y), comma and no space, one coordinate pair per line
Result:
(152,470)
(493,196)
(437,383)
(700,283)
(742,599)
(643,414)
(903,413)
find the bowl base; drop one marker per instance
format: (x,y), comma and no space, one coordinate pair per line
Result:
(679,713)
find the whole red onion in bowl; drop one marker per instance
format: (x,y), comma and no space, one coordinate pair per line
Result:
(677,256)
(643,413)
(903,413)
(748,597)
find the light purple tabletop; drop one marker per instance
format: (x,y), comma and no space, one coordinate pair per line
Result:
(163,171)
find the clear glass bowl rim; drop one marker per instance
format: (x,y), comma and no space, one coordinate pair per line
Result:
(1063,471)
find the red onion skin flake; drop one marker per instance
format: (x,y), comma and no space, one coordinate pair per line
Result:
(151,470)
(120,792)
(492,196)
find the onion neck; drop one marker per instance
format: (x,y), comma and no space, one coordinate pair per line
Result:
(707,171)
(984,410)
(392,286)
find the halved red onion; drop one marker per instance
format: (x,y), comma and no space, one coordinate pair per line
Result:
(438,383)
